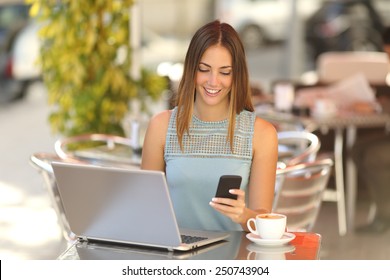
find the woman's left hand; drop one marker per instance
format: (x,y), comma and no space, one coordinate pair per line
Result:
(232,208)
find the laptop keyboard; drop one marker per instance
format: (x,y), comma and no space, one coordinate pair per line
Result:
(188,239)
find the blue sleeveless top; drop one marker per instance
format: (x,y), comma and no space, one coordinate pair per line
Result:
(193,173)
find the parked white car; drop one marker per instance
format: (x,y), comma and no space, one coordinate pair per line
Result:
(21,65)
(13,20)
(262,21)
(25,54)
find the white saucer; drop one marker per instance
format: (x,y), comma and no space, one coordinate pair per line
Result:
(285,248)
(287,237)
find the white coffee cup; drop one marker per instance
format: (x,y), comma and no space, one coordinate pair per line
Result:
(284,96)
(324,108)
(268,226)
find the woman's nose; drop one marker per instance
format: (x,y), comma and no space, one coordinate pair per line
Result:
(213,79)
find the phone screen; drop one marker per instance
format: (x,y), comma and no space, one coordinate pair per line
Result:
(227,182)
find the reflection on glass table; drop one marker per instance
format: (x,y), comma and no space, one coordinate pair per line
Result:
(305,246)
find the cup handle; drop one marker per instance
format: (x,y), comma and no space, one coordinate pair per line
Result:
(248,257)
(248,224)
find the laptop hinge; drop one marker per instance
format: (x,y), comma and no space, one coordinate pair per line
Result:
(82,238)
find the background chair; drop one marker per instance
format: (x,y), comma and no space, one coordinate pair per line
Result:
(96,149)
(297,146)
(281,121)
(300,194)
(336,66)
(42,162)
(100,149)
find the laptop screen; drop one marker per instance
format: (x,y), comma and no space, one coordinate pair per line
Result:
(117,205)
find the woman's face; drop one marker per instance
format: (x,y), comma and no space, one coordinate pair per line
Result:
(214,76)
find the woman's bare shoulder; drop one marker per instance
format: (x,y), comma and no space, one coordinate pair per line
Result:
(265,138)
(264,130)
(161,118)
(264,126)
(157,128)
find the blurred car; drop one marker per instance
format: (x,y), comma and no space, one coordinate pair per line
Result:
(14,18)
(345,25)
(163,54)
(19,61)
(261,21)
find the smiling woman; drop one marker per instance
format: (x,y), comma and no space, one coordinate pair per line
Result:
(213,127)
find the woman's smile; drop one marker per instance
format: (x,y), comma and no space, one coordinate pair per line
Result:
(212,92)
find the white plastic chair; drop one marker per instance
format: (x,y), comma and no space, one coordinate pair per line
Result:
(99,149)
(42,162)
(300,194)
(297,146)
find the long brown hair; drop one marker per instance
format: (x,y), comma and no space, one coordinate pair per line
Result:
(213,33)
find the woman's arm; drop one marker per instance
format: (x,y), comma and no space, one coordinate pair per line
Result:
(154,143)
(261,182)
(263,171)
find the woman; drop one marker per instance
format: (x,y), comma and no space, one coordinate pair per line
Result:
(213,131)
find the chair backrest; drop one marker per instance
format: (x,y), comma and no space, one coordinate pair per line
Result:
(281,122)
(297,146)
(42,162)
(99,149)
(300,193)
(336,66)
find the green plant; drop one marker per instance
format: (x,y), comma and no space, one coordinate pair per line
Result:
(85,60)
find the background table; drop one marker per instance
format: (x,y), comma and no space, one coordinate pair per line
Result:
(347,124)
(342,124)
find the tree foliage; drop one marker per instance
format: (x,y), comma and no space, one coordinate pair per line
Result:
(85,60)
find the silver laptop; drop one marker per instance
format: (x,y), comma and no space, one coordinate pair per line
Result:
(125,206)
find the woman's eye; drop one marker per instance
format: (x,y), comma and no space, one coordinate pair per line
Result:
(226,73)
(205,70)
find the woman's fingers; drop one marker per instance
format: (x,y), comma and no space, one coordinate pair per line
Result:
(232,208)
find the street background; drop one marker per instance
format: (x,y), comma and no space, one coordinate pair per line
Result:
(29,228)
